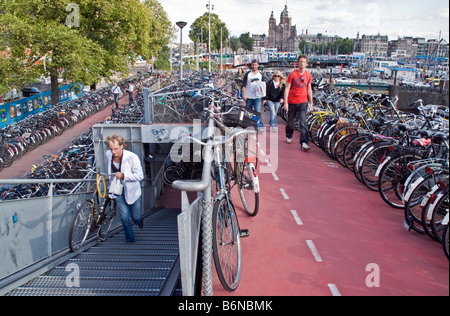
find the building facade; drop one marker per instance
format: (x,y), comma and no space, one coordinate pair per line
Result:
(374,45)
(283,36)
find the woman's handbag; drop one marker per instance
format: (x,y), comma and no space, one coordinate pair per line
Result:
(115,189)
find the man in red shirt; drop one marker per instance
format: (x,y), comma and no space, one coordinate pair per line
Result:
(299,96)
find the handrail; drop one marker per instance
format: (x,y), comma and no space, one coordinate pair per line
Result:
(43,181)
(205,186)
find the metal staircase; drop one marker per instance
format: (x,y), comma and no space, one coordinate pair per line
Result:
(148,267)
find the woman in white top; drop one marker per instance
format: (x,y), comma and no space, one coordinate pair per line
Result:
(127,167)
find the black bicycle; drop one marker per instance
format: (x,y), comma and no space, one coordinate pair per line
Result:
(95,214)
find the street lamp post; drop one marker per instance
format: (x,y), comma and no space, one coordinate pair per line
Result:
(209,36)
(181,25)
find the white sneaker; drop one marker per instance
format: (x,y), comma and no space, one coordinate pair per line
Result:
(289,140)
(274,129)
(305,147)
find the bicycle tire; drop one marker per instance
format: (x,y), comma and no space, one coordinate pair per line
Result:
(445,243)
(439,210)
(352,148)
(370,164)
(171,174)
(107,217)
(226,244)
(392,178)
(249,198)
(413,209)
(81,226)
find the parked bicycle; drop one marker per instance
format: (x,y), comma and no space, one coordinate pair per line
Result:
(96,214)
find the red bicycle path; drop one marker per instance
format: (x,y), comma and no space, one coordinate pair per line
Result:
(355,234)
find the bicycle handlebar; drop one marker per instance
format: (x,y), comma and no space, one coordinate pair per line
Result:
(99,173)
(220,114)
(218,140)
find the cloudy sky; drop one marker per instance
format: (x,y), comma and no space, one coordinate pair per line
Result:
(342,17)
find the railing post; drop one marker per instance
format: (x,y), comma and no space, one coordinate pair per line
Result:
(207,222)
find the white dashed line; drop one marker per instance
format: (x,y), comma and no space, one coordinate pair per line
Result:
(297,218)
(285,196)
(275,176)
(334,290)
(314,251)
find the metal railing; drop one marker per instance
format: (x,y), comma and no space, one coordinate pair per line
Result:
(189,225)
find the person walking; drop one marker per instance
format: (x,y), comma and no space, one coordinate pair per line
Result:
(275,97)
(299,96)
(130,91)
(237,85)
(254,89)
(126,167)
(115,90)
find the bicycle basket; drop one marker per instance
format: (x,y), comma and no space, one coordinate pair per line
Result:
(241,117)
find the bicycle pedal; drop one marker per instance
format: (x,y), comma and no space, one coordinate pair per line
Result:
(243,233)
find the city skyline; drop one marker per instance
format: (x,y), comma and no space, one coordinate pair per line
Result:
(344,18)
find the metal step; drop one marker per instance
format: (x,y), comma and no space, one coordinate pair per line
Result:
(115,268)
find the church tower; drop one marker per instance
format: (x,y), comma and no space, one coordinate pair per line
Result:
(272,30)
(283,36)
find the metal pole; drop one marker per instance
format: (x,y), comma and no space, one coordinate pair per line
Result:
(207,224)
(181,53)
(181,25)
(209,35)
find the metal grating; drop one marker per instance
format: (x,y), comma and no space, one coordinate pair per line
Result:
(114,268)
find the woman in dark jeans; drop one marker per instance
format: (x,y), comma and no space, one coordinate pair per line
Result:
(274,97)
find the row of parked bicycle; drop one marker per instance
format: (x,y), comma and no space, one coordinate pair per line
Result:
(73,162)
(35,130)
(403,156)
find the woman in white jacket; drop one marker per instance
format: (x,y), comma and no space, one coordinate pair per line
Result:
(127,167)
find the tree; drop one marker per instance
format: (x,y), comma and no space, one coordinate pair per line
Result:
(201,24)
(344,46)
(163,61)
(246,41)
(235,43)
(303,46)
(79,42)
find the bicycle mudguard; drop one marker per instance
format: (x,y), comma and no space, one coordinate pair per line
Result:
(411,187)
(428,196)
(385,162)
(255,178)
(446,219)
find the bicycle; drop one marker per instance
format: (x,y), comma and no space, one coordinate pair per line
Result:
(226,246)
(96,213)
(225,224)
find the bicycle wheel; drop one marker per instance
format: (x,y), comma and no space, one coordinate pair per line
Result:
(246,186)
(81,225)
(392,179)
(413,204)
(226,244)
(439,210)
(445,243)
(106,219)
(370,165)
(352,148)
(171,174)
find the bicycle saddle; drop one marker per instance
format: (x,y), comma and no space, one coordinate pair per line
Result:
(406,128)
(439,138)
